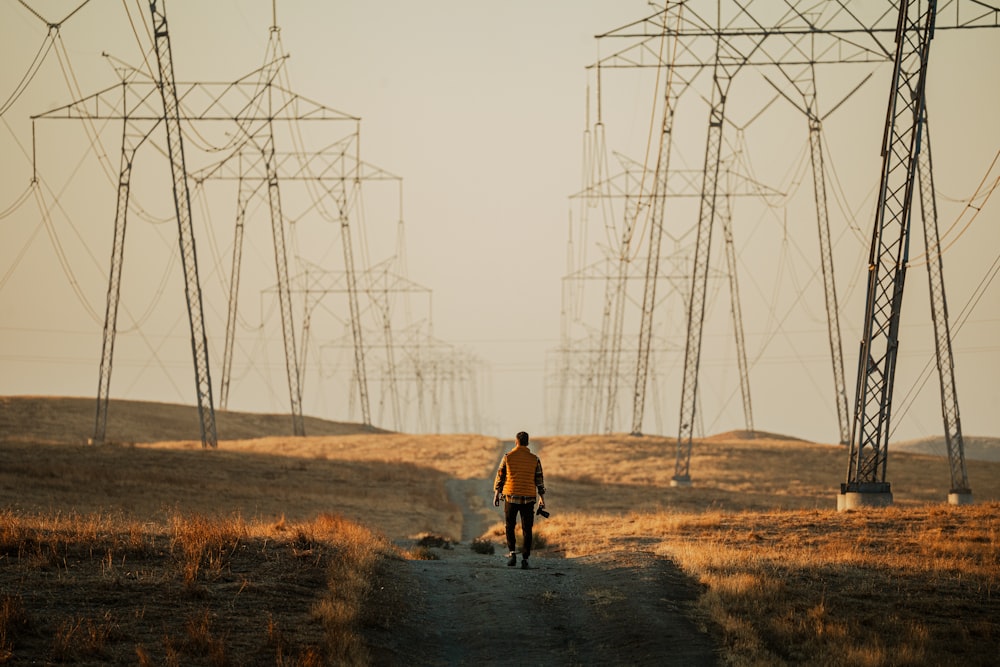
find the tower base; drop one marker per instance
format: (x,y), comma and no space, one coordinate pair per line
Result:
(857,496)
(960,498)
(683,481)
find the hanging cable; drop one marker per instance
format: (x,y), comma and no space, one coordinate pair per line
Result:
(62,55)
(840,197)
(20,255)
(54,24)
(149,46)
(29,75)
(17,203)
(61,255)
(963,316)
(152,303)
(920,260)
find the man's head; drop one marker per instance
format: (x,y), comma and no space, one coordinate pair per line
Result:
(522,438)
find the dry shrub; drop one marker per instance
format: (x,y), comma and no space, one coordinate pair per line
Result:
(310,656)
(433,540)
(46,541)
(421,553)
(483,546)
(896,585)
(13,622)
(83,637)
(205,544)
(286,653)
(202,640)
(355,554)
(276,639)
(101,554)
(806,586)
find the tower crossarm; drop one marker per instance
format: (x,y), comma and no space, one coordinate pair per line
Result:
(790,33)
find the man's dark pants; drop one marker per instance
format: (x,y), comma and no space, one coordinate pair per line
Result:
(527,512)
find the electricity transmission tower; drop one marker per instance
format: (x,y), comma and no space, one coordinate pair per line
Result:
(728,38)
(391,372)
(960,492)
(584,361)
(253,104)
(182,204)
(866,482)
(238,132)
(136,130)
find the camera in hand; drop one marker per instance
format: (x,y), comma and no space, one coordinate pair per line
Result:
(542,512)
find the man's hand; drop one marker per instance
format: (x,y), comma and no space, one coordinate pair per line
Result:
(496,499)
(541,501)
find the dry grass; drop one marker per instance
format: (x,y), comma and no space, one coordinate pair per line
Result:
(395,483)
(95,590)
(739,474)
(790,580)
(170,555)
(167,554)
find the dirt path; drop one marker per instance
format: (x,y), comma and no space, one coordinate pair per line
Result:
(621,608)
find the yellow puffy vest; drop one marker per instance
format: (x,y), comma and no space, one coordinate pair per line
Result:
(521,464)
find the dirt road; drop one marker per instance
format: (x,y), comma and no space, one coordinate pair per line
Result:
(626,607)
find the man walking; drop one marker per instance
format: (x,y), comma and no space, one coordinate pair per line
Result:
(519,475)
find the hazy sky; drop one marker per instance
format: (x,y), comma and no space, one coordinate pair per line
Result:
(480,108)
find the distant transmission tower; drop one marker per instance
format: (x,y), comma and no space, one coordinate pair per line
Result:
(727,38)
(249,104)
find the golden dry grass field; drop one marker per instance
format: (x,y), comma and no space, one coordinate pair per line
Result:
(282,550)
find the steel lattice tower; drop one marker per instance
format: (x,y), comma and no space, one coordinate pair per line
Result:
(794,38)
(960,492)
(260,168)
(182,204)
(133,135)
(866,480)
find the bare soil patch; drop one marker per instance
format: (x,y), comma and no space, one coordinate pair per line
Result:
(611,608)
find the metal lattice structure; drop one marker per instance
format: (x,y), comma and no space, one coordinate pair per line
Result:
(252,110)
(670,98)
(133,135)
(728,38)
(182,204)
(866,473)
(960,492)
(803,80)
(133,102)
(584,375)
(728,60)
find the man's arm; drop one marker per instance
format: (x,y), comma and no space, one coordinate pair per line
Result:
(540,483)
(499,481)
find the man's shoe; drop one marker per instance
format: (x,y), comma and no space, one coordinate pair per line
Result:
(524,564)
(512,560)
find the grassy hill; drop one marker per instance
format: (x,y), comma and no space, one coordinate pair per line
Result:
(71,421)
(273,549)
(976,448)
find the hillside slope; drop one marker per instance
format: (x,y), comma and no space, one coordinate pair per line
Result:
(54,419)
